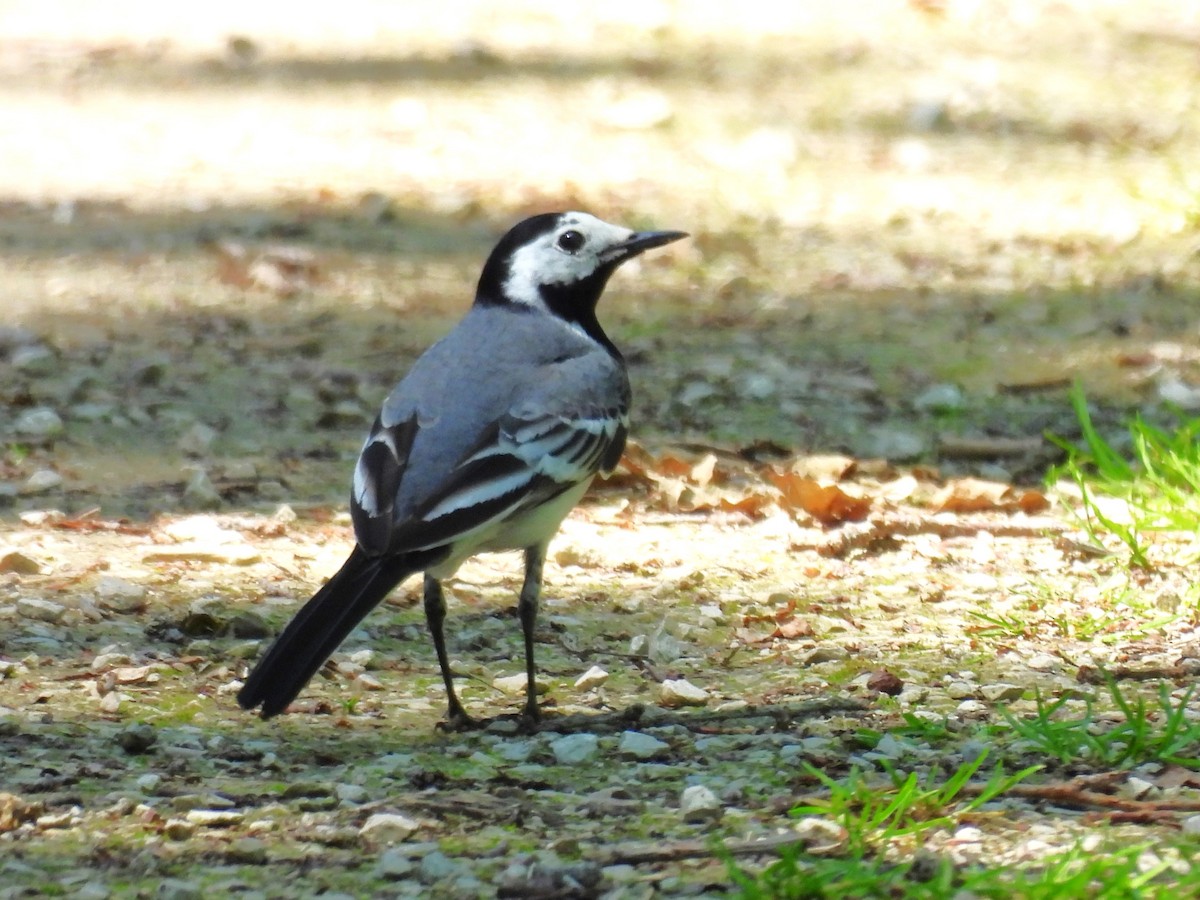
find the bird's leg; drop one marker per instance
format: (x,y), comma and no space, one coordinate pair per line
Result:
(527,610)
(435,614)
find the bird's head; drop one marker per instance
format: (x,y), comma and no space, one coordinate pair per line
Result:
(560,263)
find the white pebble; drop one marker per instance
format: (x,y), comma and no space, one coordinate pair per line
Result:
(592,678)
(510,684)
(213,818)
(41,481)
(699,804)
(388,828)
(676,692)
(39,422)
(41,610)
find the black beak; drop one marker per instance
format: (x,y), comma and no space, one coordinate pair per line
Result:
(641,241)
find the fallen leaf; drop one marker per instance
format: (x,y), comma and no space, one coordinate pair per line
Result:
(15,810)
(752,504)
(637,461)
(131,674)
(899,489)
(828,466)
(828,504)
(884,682)
(1175,777)
(794,628)
(779,615)
(1031,502)
(968,495)
(1136,360)
(671,467)
(283,270)
(702,472)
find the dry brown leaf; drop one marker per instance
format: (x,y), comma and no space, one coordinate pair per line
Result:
(1136,360)
(794,628)
(232,263)
(702,472)
(285,270)
(131,674)
(885,682)
(828,504)
(671,467)
(1175,777)
(746,636)
(752,504)
(968,495)
(782,614)
(694,499)
(669,493)
(899,489)
(1031,502)
(636,461)
(680,481)
(827,467)
(15,810)
(965,495)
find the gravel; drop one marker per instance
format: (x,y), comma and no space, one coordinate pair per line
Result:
(575,749)
(636,745)
(388,828)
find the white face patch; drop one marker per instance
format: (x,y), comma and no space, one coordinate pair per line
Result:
(545,262)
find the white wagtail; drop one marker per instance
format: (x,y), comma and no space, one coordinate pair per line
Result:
(488,442)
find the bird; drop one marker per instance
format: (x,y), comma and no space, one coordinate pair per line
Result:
(485,445)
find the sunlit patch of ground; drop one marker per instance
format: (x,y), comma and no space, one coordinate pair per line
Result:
(225,231)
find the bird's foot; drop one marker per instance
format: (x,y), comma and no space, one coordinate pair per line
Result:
(530,719)
(457,719)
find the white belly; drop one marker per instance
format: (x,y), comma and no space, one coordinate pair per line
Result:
(528,530)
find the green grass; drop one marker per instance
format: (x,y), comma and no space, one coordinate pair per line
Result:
(1120,614)
(1159,486)
(876,819)
(1146,732)
(1118,873)
(798,875)
(871,817)
(926,730)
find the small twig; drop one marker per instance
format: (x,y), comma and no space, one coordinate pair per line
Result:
(1073,795)
(953,446)
(87,521)
(649,716)
(1093,675)
(865,535)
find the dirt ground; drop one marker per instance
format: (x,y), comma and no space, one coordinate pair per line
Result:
(225,231)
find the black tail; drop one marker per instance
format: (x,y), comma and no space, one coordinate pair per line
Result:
(322,623)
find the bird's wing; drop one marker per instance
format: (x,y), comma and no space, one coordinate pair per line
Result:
(377,475)
(521,461)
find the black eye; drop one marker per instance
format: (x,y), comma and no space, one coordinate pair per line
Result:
(570,241)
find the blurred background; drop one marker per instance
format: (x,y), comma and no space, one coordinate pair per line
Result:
(227,228)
